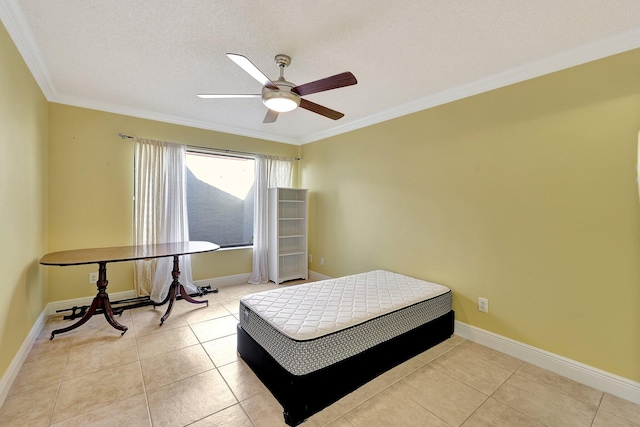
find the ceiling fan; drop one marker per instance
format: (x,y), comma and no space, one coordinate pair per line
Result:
(282,96)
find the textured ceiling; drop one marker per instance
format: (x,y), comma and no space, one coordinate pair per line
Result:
(149,58)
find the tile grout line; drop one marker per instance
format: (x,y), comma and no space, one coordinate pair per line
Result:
(462,382)
(490,396)
(199,343)
(519,372)
(552,389)
(560,391)
(222,376)
(74,336)
(595,415)
(55,399)
(600,409)
(219,373)
(144,386)
(400,379)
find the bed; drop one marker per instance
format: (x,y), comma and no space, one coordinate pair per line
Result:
(314,343)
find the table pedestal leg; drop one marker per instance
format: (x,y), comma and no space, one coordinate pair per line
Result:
(100,301)
(175,288)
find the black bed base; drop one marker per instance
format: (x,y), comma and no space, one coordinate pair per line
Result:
(303,395)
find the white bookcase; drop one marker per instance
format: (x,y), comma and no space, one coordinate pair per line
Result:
(287,234)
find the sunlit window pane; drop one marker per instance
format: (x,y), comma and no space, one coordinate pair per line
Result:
(220,192)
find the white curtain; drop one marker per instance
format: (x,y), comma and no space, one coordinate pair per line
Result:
(270,172)
(160,214)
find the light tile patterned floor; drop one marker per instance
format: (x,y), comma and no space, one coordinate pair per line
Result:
(187,372)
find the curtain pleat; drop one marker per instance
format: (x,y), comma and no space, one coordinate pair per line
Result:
(160,214)
(259,273)
(270,172)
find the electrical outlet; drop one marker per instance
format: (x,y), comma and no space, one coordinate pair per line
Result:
(321,260)
(93,277)
(310,258)
(483,305)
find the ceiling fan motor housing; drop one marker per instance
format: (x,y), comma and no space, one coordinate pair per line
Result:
(282,99)
(282,96)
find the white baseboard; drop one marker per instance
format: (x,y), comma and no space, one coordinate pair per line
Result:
(52,307)
(317,276)
(584,374)
(239,279)
(12,371)
(51,310)
(217,282)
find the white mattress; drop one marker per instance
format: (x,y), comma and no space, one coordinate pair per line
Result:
(313,325)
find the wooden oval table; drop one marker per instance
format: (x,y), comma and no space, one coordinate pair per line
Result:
(102,256)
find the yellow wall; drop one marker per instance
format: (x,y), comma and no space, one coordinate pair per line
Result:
(91,192)
(525,195)
(23,137)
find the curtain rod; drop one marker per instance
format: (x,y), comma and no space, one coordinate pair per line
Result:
(222,150)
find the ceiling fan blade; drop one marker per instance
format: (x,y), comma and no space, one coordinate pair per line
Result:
(253,71)
(323,111)
(328,83)
(222,95)
(270,117)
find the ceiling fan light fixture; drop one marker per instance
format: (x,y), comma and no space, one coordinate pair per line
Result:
(281,96)
(281,101)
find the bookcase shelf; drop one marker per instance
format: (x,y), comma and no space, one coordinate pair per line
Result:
(287,221)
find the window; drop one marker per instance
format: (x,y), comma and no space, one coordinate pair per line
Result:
(220,198)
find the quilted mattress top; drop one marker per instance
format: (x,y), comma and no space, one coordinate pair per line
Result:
(312,310)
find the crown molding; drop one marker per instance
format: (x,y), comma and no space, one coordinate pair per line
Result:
(578,56)
(16,24)
(161,117)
